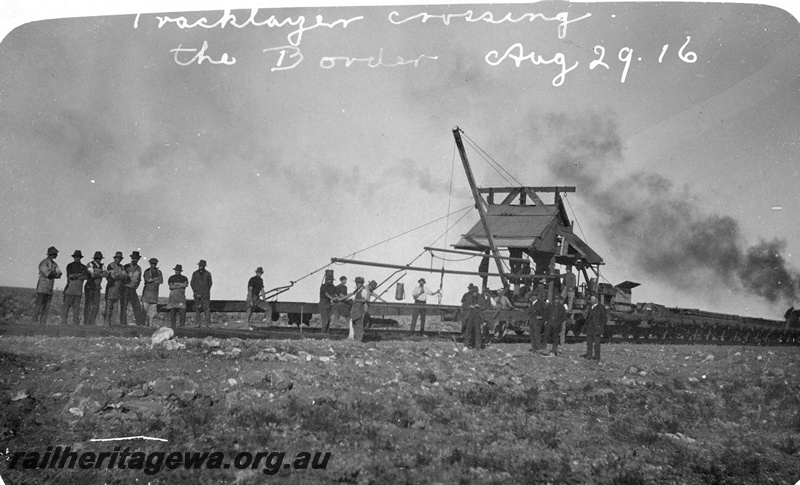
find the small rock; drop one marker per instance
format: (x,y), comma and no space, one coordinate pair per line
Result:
(161,335)
(759,358)
(642,373)
(252,377)
(232,342)
(231,382)
(144,407)
(77,412)
(694,379)
(174,345)
(181,387)
(210,342)
(633,370)
(709,358)
(22,394)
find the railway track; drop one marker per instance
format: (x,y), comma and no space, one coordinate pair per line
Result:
(267,332)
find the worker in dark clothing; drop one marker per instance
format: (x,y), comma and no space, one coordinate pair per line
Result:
(201,287)
(555,316)
(536,314)
(472,304)
(327,292)
(255,293)
(595,326)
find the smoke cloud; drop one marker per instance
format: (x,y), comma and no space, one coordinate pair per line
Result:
(661,228)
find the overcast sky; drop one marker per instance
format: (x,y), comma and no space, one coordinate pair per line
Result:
(274,152)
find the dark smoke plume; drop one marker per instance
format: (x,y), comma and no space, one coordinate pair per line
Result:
(659,227)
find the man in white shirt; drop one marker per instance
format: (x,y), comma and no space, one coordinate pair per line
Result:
(420,295)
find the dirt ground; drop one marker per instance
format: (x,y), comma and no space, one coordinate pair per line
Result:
(421,411)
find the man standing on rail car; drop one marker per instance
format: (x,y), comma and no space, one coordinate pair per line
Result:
(595,326)
(48,271)
(255,292)
(114,286)
(152,281)
(76,274)
(555,317)
(129,295)
(92,289)
(472,304)
(536,313)
(201,287)
(420,295)
(327,293)
(177,296)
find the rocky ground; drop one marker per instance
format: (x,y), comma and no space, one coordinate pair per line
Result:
(421,411)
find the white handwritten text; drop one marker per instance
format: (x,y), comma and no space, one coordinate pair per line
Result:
(517,53)
(488,17)
(294,37)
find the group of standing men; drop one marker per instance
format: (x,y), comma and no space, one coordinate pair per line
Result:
(546,319)
(121,289)
(335,302)
(550,318)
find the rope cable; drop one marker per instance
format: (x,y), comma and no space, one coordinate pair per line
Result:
(575,218)
(485,155)
(404,233)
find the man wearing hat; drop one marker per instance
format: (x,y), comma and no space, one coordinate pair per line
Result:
(536,319)
(48,271)
(201,287)
(114,287)
(555,316)
(420,295)
(255,292)
(152,280)
(596,320)
(360,310)
(95,272)
(341,306)
(76,275)
(177,295)
(129,295)
(473,303)
(327,293)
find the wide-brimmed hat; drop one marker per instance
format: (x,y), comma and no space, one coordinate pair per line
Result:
(472,287)
(259,270)
(135,256)
(422,280)
(77,254)
(98,255)
(178,267)
(202,262)
(52,250)
(118,254)
(153,260)
(359,279)
(373,284)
